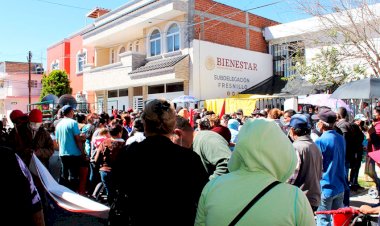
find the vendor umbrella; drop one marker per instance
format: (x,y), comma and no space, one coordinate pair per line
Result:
(324,100)
(185,99)
(367,88)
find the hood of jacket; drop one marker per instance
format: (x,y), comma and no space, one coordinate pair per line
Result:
(233,124)
(263,146)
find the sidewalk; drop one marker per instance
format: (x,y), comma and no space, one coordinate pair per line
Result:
(360,198)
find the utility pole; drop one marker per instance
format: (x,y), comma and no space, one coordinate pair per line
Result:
(29,57)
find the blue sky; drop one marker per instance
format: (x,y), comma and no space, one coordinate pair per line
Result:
(36,24)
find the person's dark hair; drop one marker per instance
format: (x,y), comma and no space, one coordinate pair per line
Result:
(81,118)
(182,123)
(105,116)
(226,117)
(115,130)
(301,131)
(377,109)
(127,118)
(209,113)
(138,125)
(159,117)
(204,124)
(342,112)
(290,112)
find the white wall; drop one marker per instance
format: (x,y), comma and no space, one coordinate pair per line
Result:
(212,77)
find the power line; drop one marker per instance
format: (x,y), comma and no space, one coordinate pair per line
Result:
(60,4)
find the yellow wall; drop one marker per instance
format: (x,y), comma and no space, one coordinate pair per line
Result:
(102,57)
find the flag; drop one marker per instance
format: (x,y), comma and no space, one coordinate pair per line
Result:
(223,110)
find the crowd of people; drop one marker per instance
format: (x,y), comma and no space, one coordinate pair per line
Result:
(181,167)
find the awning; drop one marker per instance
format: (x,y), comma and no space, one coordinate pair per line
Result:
(269,86)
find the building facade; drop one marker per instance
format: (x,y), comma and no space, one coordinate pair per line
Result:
(14,92)
(150,49)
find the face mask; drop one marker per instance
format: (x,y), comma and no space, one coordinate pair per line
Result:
(35,125)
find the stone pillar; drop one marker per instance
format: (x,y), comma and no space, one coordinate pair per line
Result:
(130,96)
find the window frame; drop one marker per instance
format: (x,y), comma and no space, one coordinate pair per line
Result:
(54,65)
(81,58)
(173,35)
(155,41)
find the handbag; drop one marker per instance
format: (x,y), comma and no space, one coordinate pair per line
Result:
(253,201)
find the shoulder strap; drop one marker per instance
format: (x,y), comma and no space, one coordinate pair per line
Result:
(253,201)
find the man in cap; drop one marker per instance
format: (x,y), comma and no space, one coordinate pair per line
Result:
(20,137)
(308,173)
(333,148)
(42,144)
(259,113)
(70,148)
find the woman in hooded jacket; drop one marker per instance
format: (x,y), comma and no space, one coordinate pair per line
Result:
(256,162)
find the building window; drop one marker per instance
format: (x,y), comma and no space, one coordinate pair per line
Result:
(173,38)
(155,43)
(33,83)
(81,60)
(156,89)
(283,57)
(137,46)
(112,93)
(174,87)
(130,47)
(123,92)
(55,65)
(122,50)
(112,56)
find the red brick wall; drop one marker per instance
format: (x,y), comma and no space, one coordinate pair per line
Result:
(19,67)
(227,34)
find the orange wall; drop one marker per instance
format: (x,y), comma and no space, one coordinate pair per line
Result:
(59,52)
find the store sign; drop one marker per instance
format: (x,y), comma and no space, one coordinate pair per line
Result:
(220,71)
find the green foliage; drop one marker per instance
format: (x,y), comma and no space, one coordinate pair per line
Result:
(326,69)
(57,83)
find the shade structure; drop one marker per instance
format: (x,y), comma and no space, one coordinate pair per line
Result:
(367,88)
(185,99)
(324,100)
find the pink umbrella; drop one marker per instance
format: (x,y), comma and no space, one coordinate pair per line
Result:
(324,100)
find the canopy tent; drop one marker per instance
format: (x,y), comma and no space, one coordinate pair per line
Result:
(277,86)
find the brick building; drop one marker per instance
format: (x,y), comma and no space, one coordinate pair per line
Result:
(14,92)
(149,49)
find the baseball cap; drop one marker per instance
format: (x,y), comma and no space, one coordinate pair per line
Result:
(35,115)
(260,112)
(66,109)
(17,115)
(239,111)
(325,115)
(299,121)
(360,117)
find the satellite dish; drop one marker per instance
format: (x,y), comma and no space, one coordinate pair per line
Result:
(53,99)
(67,99)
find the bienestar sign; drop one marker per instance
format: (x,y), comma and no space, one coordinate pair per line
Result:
(220,71)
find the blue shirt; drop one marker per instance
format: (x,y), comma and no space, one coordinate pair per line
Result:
(333,148)
(65,132)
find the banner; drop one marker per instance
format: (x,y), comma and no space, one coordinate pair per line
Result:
(65,197)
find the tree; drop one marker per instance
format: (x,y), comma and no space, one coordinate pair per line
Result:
(57,83)
(352,26)
(327,69)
